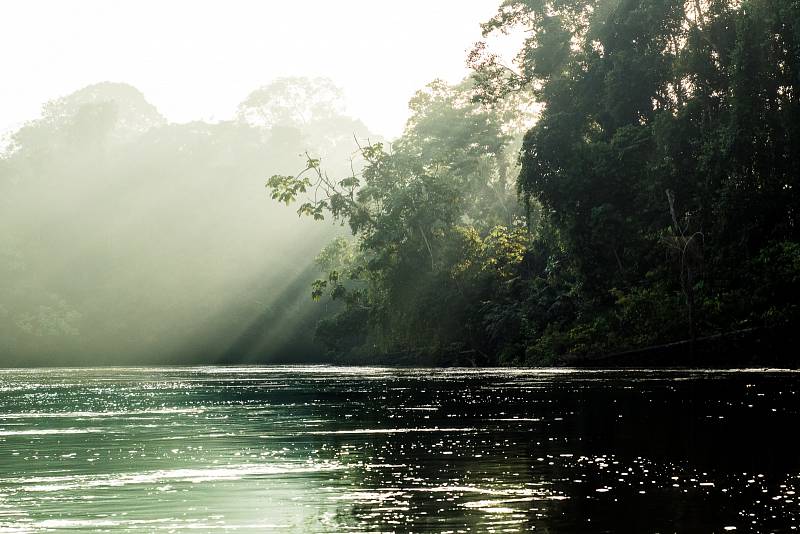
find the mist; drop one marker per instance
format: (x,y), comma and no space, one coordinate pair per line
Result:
(426,266)
(125,238)
(135,143)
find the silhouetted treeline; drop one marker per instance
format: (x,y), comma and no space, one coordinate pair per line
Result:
(653,199)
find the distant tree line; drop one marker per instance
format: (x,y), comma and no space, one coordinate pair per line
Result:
(653,198)
(127,238)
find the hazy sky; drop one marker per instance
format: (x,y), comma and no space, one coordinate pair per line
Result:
(197,59)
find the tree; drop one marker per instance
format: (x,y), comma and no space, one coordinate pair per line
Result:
(411,211)
(124,238)
(640,97)
(310,111)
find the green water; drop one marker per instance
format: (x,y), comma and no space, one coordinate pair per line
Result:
(320,449)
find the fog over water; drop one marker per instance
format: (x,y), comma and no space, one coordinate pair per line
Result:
(134,222)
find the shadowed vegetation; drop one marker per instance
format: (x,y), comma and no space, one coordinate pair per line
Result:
(656,197)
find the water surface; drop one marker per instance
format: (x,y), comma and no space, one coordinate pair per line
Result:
(321,449)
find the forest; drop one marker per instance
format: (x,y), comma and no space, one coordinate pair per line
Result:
(126,238)
(627,181)
(428,266)
(630,180)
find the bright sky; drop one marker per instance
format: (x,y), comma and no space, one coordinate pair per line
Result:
(197,59)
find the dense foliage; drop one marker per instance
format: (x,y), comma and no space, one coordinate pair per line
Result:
(658,190)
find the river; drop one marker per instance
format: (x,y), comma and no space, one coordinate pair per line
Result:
(346,449)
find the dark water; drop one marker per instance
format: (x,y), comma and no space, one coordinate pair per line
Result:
(316,449)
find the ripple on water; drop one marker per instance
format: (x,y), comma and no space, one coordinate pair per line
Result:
(193,476)
(321,449)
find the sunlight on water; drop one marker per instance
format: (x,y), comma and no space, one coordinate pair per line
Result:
(321,449)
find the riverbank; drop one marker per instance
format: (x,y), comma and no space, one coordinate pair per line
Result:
(746,348)
(752,347)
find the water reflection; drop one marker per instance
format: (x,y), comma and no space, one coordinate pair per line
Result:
(316,449)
